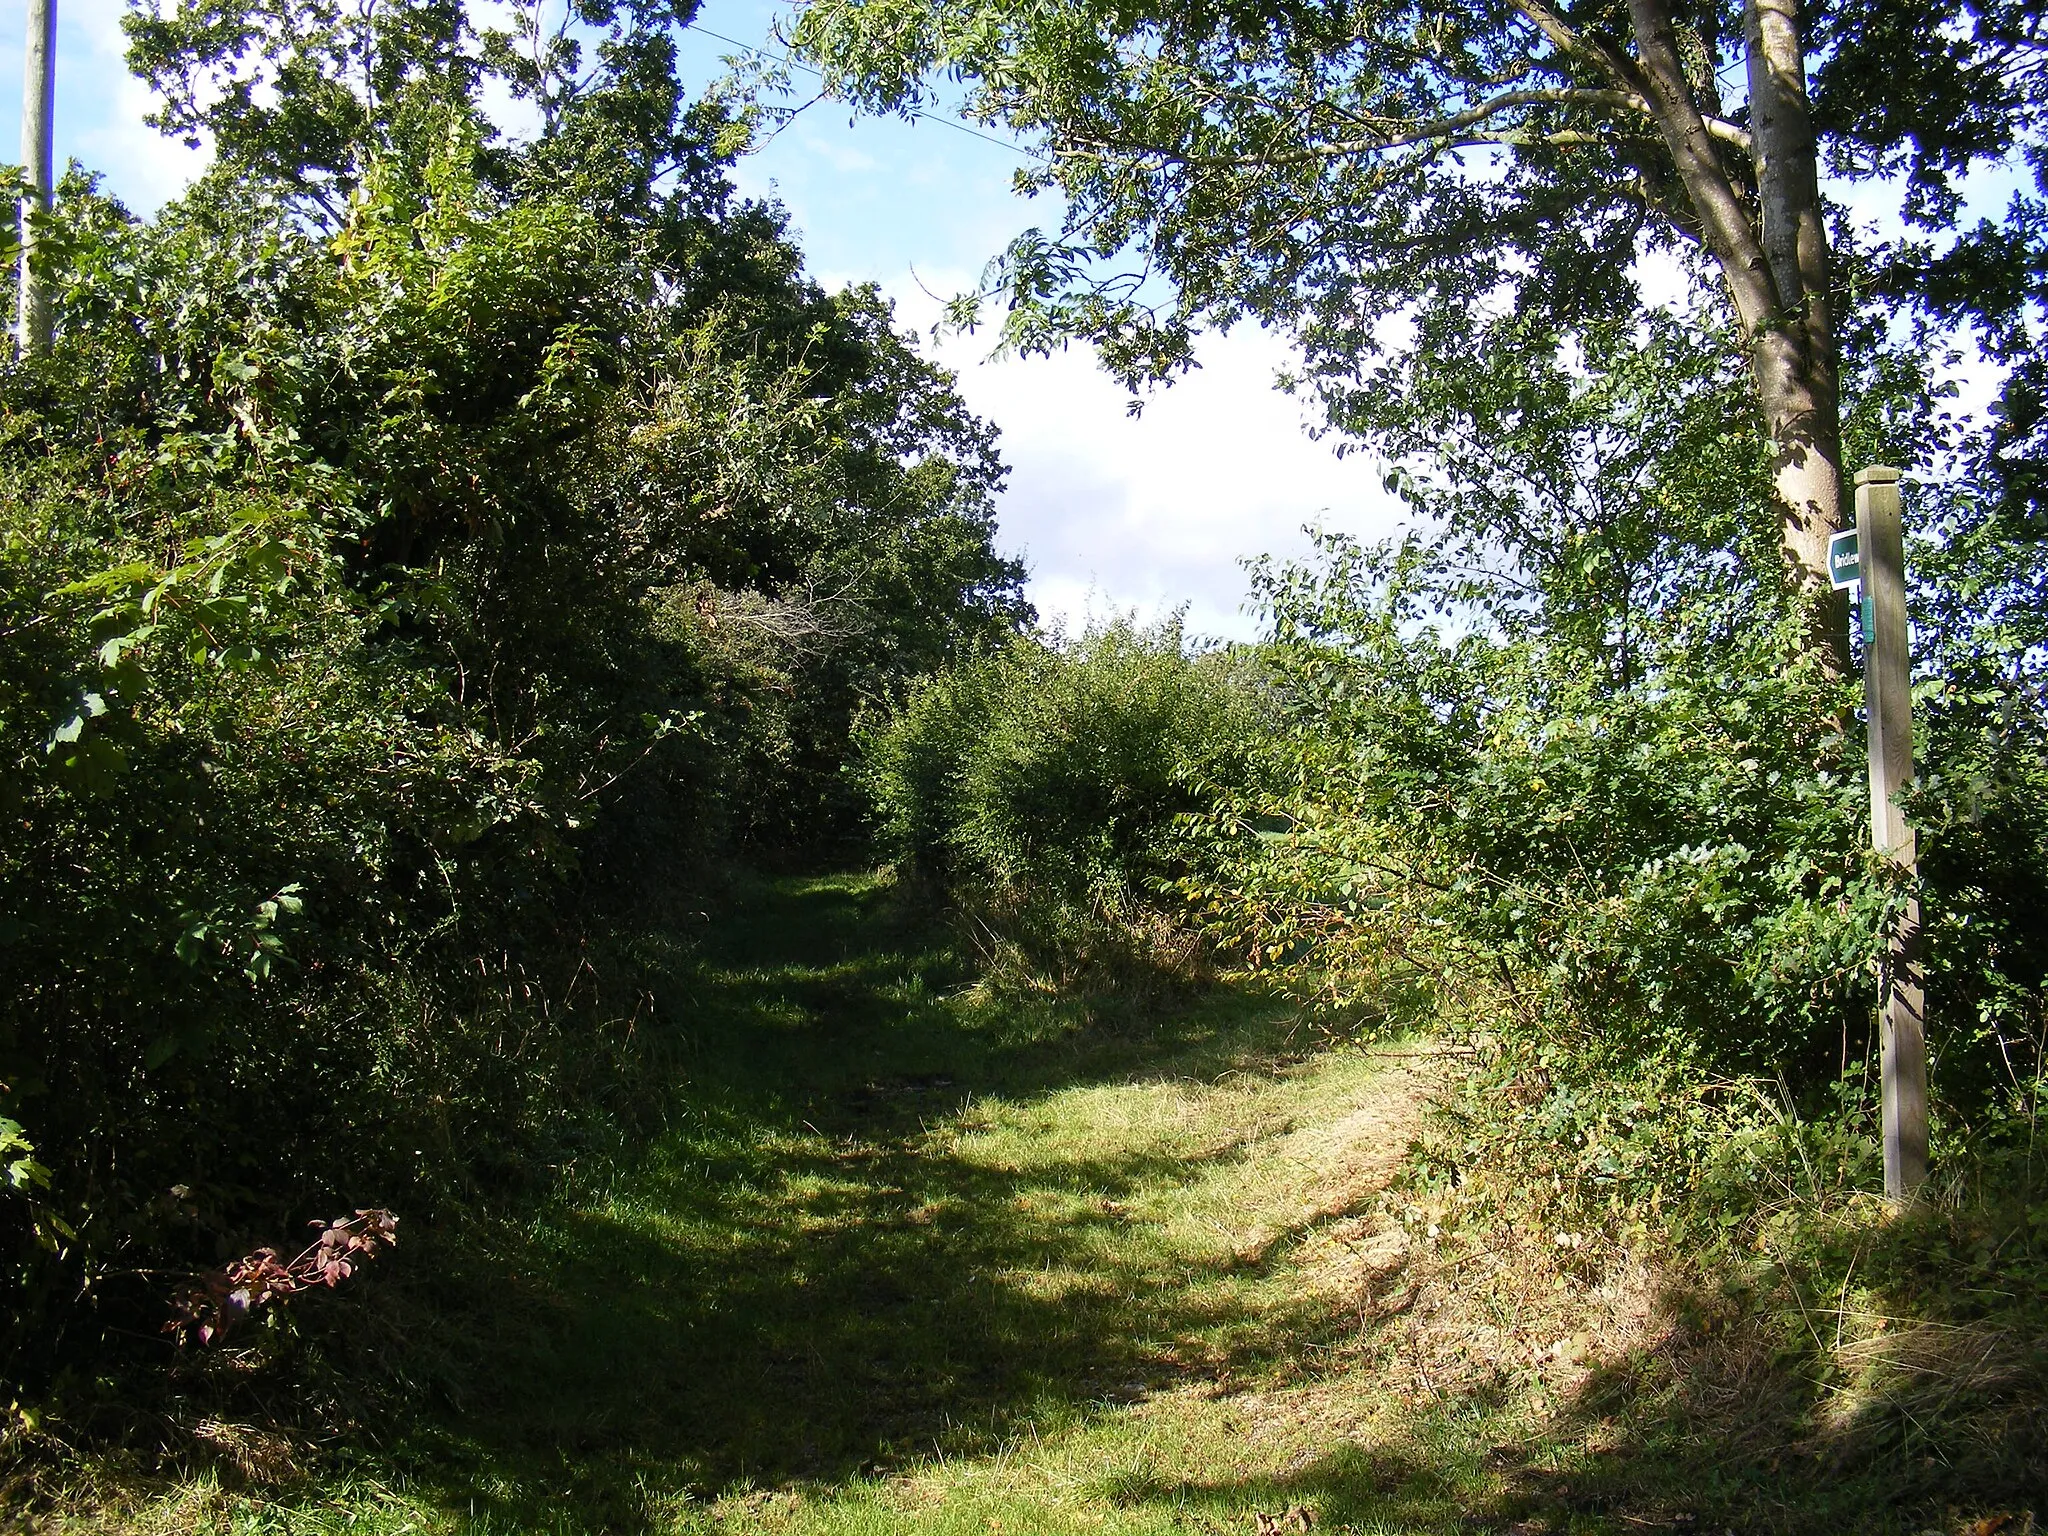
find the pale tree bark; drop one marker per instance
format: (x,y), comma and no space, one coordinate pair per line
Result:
(1773,257)
(1802,404)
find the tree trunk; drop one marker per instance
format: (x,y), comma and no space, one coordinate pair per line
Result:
(1793,355)
(1801,415)
(1775,263)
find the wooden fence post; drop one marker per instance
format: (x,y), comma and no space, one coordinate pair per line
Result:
(1888,700)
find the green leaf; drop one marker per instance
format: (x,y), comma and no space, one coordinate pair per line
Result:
(112,651)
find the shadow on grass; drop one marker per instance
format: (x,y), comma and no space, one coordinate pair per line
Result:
(1743,1418)
(1783,1411)
(804,1279)
(1684,1444)
(816,1274)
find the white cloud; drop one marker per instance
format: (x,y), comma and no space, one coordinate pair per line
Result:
(843,158)
(1114,513)
(100,107)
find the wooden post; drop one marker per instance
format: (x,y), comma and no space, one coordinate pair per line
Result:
(1888,699)
(38,95)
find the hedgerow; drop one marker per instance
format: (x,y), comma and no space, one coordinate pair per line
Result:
(383,603)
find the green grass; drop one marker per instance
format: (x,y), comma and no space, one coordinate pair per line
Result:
(910,1256)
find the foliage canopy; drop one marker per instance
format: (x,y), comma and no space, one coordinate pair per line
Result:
(1394,183)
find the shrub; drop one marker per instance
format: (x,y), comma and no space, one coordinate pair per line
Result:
(1559,769)
(1057,774)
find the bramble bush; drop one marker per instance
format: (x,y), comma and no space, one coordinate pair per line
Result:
(1557,772)
(1623,894)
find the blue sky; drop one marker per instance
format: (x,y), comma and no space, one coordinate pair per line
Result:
(1109,513)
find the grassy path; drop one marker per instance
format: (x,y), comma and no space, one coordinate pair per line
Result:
(915,1259)
(909,1257)
(905,1259)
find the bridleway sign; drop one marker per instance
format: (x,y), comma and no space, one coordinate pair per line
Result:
(1845,561)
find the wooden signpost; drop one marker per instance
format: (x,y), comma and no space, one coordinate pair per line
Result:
(1874,557)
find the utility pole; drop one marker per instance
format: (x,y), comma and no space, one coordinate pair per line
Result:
(38,98)
(1888,700)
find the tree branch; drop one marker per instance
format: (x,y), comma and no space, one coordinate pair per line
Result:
(1553,26)
(1724,221)
(1448,131)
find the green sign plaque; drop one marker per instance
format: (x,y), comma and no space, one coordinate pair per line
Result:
(1845,563)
